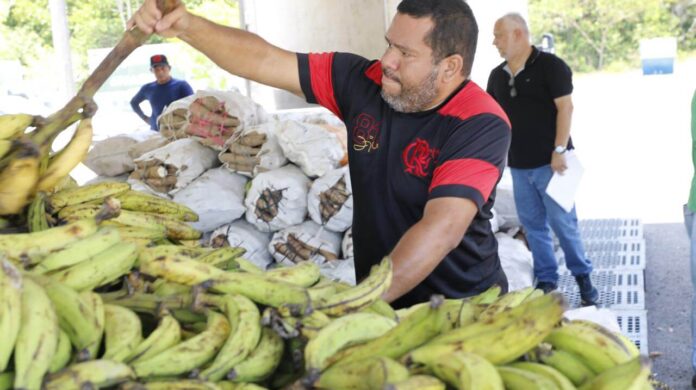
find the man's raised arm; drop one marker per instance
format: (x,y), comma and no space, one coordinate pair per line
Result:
(237,51)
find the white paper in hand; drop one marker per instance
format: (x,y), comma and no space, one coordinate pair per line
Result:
(563,188)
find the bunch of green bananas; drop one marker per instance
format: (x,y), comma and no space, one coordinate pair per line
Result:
(143,218)
(80,306)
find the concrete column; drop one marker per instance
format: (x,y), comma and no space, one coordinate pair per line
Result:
(355,26)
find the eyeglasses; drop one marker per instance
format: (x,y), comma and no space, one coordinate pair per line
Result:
(511,84)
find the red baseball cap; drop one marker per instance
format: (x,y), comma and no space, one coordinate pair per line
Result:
(158,60)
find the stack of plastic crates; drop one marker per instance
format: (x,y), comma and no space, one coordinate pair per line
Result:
(617,250)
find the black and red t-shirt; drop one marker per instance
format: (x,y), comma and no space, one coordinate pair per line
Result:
(399,161)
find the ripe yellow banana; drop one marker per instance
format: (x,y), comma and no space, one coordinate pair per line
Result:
(363,294)
(18,180)
(37,338)
(509,335)
(631,347)
(561,381)
(176,229)
(87,193)
(413,331)
(10,309)
(553,304)
(132,232)
(140,201)
(630,375)
(176,251)
(75,314)
(244,319)
(507,301)
(79,251)
(189,354)
(67,159)
(101,269)
(94,374)
(30,247)
(95,302)
(262,361)
(123,332)
(565,362)
(518,379)
(37,220)
(224,258)
(303,274)
(258,288)
(465,370)
(326,288)
(245,265)
(63,353)
(417,382)
(67,183)
(308,326)
(166,335)
(343,332)
(598,350)
(451,309)
(178,269)
(382,308)
(371,373)
(13,125)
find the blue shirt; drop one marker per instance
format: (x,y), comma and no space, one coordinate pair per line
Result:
(159,96)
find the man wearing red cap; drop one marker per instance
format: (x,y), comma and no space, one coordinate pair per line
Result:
(161,92)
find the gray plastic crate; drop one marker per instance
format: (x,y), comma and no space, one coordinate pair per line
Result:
(626,255)
(624,289)
(634,325)
(611,229)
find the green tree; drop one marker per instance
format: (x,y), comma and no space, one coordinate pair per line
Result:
(590,34)
(25,27)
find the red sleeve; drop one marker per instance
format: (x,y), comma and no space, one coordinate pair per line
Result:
(477,174)
(321,71)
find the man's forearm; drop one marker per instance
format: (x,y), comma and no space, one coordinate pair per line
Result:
(244,54)
(563,120)
(416,255)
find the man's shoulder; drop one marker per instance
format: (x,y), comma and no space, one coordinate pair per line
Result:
(551,59)
(472,101)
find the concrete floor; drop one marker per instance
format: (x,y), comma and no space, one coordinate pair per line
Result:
(668,295)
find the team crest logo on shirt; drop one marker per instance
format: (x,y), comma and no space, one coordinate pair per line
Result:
(417,157)
(365,133)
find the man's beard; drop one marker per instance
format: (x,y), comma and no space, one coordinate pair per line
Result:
(414,98)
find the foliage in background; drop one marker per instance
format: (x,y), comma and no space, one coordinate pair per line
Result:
(25,25)
(592,34)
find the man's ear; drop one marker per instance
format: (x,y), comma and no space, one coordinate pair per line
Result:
(452,67)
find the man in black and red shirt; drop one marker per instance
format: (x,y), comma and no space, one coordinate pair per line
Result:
(426,145)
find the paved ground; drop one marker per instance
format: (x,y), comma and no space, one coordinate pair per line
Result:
(668,298)
(632,134)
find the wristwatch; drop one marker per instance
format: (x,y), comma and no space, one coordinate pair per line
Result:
(560,149)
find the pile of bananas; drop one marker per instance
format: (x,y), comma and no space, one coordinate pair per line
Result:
(27,164)
(170,316)
(143,219)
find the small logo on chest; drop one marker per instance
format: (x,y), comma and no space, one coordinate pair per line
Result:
(365,133)
(418,156)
